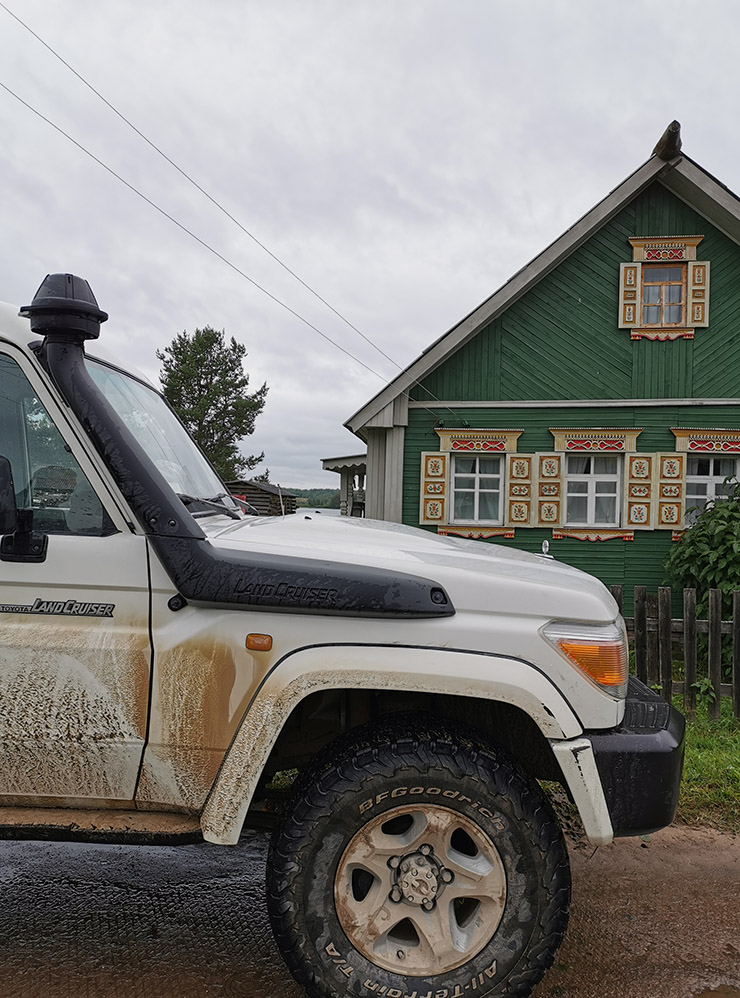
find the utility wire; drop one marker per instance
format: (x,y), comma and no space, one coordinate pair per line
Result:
(214,202)
(201,242)
(189,232)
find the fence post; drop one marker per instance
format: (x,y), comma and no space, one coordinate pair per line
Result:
(689,650)
(616,592)
(665,649)
(736,653)
(715,650)
(641,634)
(653,662)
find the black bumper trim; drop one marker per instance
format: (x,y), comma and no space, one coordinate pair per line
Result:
(640,763)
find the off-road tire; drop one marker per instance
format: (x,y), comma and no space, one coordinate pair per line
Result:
(450,771)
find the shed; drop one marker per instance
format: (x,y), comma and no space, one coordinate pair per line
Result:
(267,499)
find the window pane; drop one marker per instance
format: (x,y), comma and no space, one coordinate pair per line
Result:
(663,273)
(673,313)
(651,314)
(605,509)
(488,506)
(464,508)
(673,293)
(697,490)
(606,488)
(464,483)
(605,465)
(579,464)
(577,488)
(698,466)
(490,465)
(46,475)
(492,484)
(577,509)
(724,466)
(651,294)
(465,465)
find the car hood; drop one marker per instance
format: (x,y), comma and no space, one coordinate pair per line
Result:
(478,576)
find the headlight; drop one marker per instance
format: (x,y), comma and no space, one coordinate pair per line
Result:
(599,651)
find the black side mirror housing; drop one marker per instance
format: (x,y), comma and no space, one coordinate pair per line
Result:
(8,507)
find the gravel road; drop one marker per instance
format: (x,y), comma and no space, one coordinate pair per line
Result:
(649,920)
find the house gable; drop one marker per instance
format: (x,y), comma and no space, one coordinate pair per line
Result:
(681,175)
(560,340)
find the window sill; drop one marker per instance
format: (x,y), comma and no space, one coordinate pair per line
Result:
(661,333)
(593,534)
(480,532)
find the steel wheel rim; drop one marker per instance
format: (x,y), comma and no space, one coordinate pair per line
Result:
(420,890)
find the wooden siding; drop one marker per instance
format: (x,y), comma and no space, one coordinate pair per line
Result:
(561,341)
(615,562)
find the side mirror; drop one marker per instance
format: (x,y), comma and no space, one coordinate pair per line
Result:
(8,507)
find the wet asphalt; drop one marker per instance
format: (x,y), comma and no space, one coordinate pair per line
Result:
(650,920)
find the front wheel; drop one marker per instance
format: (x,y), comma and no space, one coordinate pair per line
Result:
(417,862)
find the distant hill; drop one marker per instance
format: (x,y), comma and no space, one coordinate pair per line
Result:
(320,498)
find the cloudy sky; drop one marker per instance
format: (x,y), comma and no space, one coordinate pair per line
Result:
(403,157)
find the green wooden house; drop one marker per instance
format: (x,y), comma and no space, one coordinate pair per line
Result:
(592,401)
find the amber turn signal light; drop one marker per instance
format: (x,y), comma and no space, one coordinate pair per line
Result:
(600,651)
(259,642)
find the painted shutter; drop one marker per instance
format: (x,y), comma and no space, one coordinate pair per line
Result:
(671,481)
(518,490)
(639,491)
(550,511)
(630,275)
(434,487)
(698,294)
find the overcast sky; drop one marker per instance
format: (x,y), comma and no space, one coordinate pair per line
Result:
(404,157)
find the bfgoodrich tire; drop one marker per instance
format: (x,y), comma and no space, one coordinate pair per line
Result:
(418,862)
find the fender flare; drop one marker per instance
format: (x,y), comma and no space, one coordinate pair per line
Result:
(379,667)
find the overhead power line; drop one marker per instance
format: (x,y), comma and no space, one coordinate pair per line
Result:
(216,204)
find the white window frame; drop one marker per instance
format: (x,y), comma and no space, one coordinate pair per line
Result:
(591,478)
(713,481)
(476,489)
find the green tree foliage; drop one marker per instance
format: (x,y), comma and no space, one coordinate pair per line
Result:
(318,498)
(708,555)
(204,380)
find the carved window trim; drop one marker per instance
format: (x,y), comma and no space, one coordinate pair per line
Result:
(649,252)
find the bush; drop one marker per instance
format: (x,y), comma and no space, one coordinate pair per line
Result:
(708,554)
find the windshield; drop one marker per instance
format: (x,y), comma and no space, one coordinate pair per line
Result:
(146,414)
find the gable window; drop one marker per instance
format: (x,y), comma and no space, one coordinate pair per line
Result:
(476,489)
(664,289)
(663,295)
(705,482)
(592,490)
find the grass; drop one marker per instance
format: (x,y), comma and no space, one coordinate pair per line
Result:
(710,790)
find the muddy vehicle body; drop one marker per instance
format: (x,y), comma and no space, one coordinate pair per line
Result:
(163,655)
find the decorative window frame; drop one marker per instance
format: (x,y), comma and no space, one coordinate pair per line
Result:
(666,250)
(693,440)
(437,486)
(595,440)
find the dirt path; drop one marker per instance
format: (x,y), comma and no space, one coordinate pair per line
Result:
(653,920)
(660,920)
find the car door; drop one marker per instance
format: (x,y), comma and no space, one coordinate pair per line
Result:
(75,655)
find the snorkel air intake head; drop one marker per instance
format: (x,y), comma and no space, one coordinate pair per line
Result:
(64,307)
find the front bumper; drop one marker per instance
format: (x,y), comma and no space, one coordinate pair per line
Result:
(640,763)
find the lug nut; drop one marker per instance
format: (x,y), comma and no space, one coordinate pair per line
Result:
(394,862)
(447,876)
(425,850)
(395,895)
(428,905)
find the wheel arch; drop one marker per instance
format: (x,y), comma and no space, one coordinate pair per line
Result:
(395,673)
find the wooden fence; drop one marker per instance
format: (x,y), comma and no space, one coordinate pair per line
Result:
(656,637)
